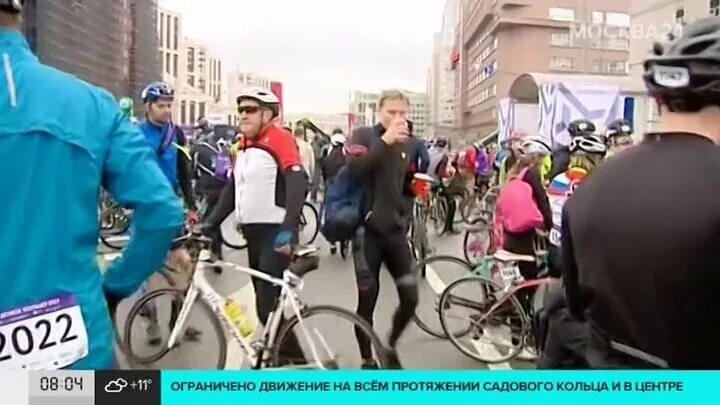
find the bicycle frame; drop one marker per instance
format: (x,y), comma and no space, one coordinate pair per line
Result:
(201,288)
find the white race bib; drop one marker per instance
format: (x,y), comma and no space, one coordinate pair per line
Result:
(46,335)
(555,235)
(509,274)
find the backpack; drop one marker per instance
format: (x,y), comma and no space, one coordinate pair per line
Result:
(221,162)
(341,212)
(516,209)
(333,162)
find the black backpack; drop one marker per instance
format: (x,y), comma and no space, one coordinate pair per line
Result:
(333,162)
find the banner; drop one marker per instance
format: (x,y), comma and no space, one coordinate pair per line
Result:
(561,103)
(504,119)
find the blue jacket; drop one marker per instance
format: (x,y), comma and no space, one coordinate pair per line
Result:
(168,158)
(72,140)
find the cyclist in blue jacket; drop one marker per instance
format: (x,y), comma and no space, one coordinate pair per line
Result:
(74,140)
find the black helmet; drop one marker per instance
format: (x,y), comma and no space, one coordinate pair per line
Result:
(581,127)
(618,128)
(683,73)
(11,6)
(441,142)
(337,131)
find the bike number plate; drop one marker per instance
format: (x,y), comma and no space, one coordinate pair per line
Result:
(509,274)
(46,335)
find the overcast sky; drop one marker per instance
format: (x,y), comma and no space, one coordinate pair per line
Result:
(320,56)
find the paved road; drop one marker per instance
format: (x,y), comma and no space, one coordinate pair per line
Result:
(334,284)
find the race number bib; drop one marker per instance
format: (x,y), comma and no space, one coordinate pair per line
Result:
(509,274)
(555,236)
(47,335)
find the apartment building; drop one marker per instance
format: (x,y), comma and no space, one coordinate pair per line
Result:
(143,44)
(87,39)
(364,109)
(498,40)
(442,77)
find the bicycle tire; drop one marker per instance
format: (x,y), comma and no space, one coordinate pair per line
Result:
(375,342)
(422,321)
(316,222)
(467,240)
(179,294)
(454,339)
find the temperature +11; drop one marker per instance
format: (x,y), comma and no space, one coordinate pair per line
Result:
(141,385)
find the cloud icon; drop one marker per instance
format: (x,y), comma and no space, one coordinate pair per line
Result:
(116,386)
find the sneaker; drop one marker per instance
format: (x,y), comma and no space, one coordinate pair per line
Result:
(333,250)
(393,359)
(527,354)
(369,364)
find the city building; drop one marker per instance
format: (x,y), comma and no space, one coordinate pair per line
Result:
(442,77)
(419,114)
(497,41)
(88,39)
(193,71)
(237,80)
(326,122)
(143,48)
(364,107)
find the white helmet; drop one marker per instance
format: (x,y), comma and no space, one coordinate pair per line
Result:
(338,139)
(588,144)
(535,144)
(264,97)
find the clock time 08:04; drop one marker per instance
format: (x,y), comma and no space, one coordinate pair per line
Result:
(63,384)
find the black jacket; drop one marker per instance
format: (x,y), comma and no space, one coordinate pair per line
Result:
(206,183)
(384,167)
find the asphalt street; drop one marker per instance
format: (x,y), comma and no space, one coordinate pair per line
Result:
(334,284)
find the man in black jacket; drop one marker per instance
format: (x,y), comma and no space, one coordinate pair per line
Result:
(384,167)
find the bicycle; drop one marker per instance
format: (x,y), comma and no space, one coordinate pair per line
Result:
(114,222)
(264,351)
(479,238)
(497,306)
(417,232)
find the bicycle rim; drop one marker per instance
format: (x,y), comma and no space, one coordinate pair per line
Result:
(470,242)
(310,224)
(360,325)
(237,241)
(435,274)
(177,296)
(479,301)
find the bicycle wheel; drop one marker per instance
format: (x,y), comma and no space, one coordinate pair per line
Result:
(231,234)
(495,334)
(309,224)
(343,339)
(151,309)
(434,275)
(477,241)
(439,215)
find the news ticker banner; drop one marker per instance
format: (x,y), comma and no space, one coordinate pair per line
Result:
(366,387)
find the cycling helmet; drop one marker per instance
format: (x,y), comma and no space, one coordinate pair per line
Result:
(265,98)
(618,128)
(682,74)
(337,131)
(11,6)
(156,91)
(441,142)
(535,144)
(338,139)
(581,127)
(588,144)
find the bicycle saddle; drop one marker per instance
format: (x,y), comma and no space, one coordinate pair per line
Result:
(505,256)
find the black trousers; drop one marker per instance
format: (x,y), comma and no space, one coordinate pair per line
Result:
(392,250)
(215,234)
(263,257)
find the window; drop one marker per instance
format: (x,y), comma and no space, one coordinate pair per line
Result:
(495,43)
(617,67)
(167,63)
(598,17)
(493,91)
(620,44)
(167,31)
(618,19)
(162,30)
(560,39)
(715,7)
(191,81)
(561,14)
(201,109)
(183,112)
(560,63)
(175,33)
(175,65)
(192,112)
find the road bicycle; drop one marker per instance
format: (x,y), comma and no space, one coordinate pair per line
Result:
(487,315)
(265,351)
(114,222)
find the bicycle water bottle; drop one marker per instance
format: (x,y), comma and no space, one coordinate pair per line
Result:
(238,318)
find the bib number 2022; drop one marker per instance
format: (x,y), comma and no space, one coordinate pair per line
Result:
(24,340)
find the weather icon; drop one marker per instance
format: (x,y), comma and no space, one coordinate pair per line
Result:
(114,387)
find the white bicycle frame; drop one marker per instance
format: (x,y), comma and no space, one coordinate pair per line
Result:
(202,289)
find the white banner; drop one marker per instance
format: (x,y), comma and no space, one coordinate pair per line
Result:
(504,119)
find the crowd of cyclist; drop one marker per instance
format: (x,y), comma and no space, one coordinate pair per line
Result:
(615,220)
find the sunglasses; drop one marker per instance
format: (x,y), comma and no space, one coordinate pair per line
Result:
(248,109)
